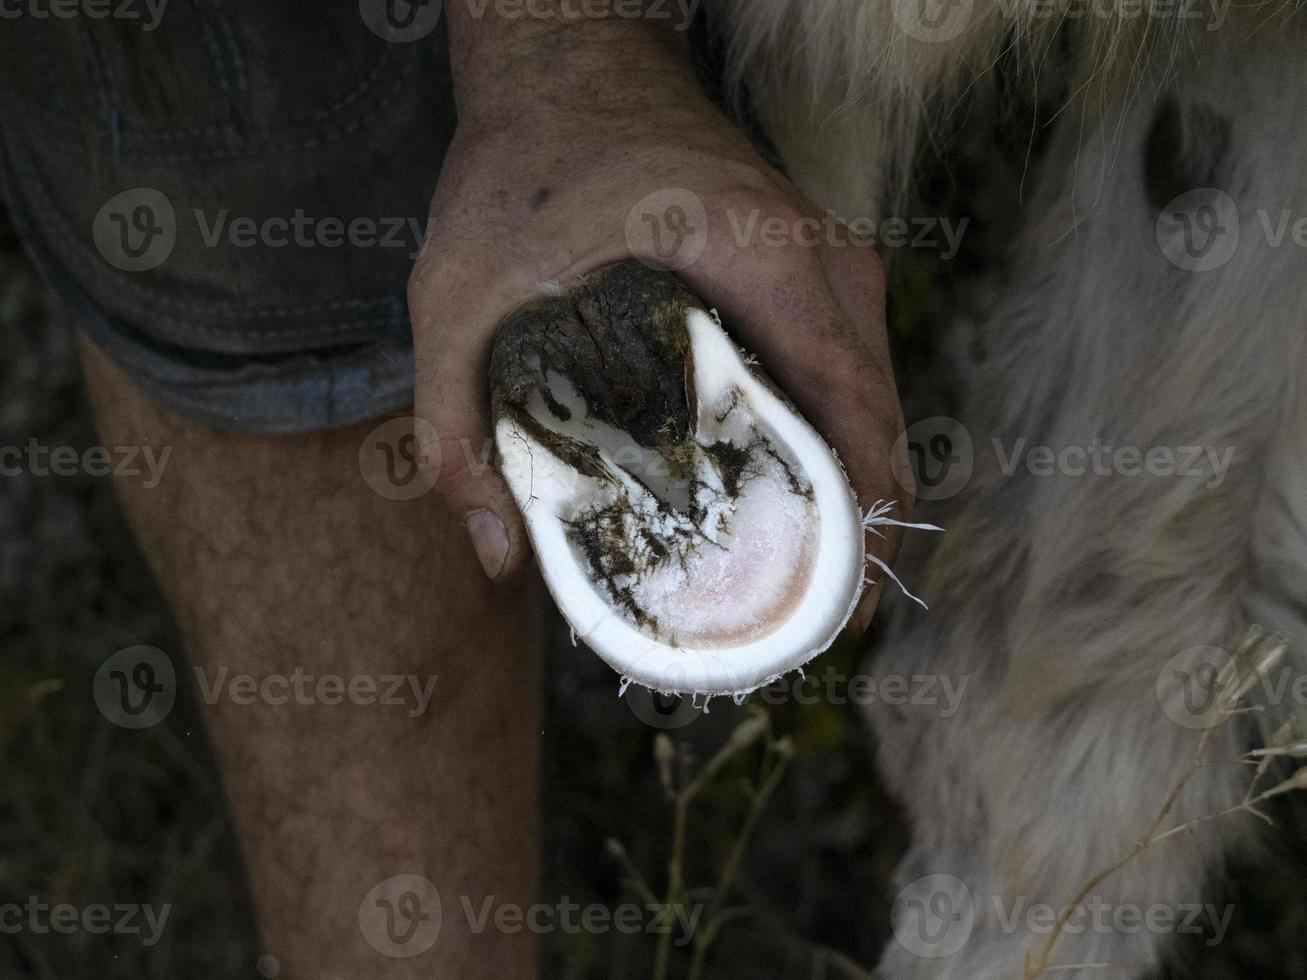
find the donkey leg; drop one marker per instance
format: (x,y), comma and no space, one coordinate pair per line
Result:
(1128,436)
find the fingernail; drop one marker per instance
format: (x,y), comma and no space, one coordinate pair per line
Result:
(490,541)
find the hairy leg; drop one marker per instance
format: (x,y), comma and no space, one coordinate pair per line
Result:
(278,558)
(1080,601)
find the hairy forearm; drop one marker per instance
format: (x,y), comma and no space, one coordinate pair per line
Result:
(510,54)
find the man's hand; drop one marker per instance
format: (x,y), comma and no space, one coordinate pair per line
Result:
(585,143)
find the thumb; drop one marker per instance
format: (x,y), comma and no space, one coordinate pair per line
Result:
(456,304)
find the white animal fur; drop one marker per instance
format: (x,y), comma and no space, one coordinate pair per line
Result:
(1062,597)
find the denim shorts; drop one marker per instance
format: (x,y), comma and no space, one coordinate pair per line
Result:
(229,194)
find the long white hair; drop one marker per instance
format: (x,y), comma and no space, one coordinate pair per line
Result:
(850,89)
(1069,600)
